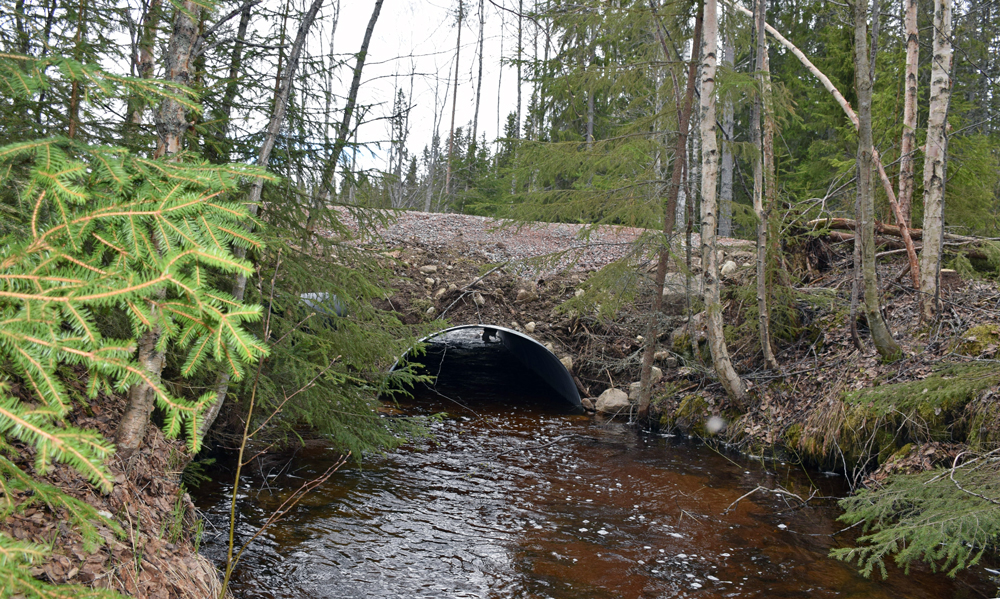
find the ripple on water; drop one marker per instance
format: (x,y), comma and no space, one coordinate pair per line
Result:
(530,503)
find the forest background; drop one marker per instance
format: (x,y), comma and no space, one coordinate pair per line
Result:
(174,173)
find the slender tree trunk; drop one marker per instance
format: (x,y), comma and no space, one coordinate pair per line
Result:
(856,283)
(454,104)
(219,152)
(23,37)
(503,25)
(197,84)
(765,194)
(46,37)
(144,69)
(731,381)
(171,124)
(540,83)
(74,99)
(881,336)
(533,136)
(438,118)
(886,183)
(344,128)
(934,159)
(909,142)
(520,53)
(873,39)
(590,119)
(727,166)
(479,78)
(669,217)
(257,188)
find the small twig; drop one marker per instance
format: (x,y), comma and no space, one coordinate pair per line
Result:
(287,506)
(258,454)
(951,476)
(465,291)
(778,491)
(542,446)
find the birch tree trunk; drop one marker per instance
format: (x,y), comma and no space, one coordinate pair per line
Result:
(908,143)
(884,343)
(763,178)
(669,217)
(934,159)
(257,188)
(731,381)
(171,123)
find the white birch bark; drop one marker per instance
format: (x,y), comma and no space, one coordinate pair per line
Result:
(934,158)
(731,381)
(908,143)
(171,123)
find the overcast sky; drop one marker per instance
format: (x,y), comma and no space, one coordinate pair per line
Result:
(420,36)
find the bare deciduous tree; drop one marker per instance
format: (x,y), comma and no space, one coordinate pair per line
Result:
(669,214)
(909,142)
(709,208)
(763,184)
(881,336)
(257,188)
(935,158)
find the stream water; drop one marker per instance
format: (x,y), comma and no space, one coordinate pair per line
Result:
(515,498)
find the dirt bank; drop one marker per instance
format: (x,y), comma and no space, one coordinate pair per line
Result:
(149,550)
(478,274)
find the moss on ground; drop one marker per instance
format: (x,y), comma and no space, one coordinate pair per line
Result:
(977,340)
(691,415)
(879,421)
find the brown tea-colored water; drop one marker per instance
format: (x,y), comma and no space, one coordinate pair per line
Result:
(513,498)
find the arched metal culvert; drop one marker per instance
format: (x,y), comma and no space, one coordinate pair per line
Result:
(471,339)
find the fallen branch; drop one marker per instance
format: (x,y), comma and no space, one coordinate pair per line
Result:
(876,158)
(837,225)
(779,491)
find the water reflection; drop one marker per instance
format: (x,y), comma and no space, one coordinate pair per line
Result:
(513,500)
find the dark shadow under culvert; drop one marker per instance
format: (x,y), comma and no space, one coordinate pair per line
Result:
(480,362)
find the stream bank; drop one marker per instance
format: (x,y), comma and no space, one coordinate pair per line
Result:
(515,498)
(809,412)
(143,540)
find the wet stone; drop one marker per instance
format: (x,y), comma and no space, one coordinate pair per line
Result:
(613,401)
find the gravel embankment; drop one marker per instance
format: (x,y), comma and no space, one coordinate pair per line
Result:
(495,241)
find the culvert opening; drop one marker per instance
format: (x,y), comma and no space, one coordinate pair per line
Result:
(484,363)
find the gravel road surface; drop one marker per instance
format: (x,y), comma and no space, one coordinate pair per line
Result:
(497,241)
